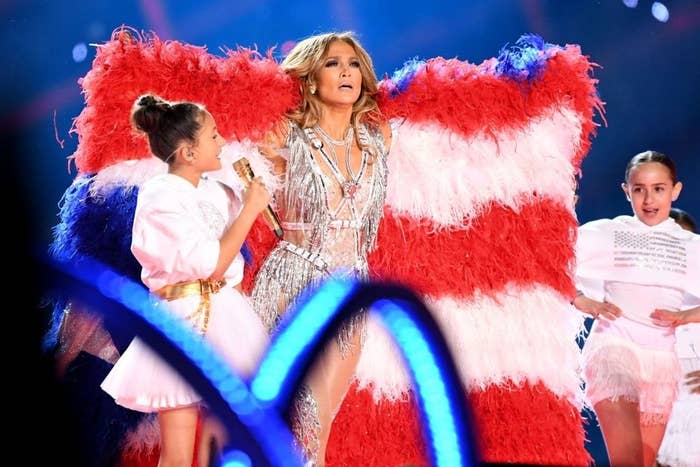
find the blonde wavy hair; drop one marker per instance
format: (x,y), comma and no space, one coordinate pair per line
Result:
(306,59)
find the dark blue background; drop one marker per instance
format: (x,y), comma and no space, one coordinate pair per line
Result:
(649,70)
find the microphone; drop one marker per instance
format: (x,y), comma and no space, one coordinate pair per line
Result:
(242,168)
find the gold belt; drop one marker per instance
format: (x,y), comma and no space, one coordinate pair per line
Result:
(202,287)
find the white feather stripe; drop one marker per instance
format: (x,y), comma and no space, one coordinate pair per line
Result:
(521,334)
(128,173)
(259,164)
(230,153)
(439,175)
(135,172)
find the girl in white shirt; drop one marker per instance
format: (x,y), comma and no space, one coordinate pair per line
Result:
(187,235)
(627,268)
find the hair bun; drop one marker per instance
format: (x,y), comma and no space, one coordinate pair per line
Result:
(150,100)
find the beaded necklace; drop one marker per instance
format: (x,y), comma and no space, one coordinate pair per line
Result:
(350,184)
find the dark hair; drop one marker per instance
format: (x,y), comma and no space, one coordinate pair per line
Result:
(683,218)
(166,124)
(651,156)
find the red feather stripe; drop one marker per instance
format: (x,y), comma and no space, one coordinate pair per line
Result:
(513,424)
(370,433)
(260,241)
(245,93)
(528,425)
(468,99)
(501,247)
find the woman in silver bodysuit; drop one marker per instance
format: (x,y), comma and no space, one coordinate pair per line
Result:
(332,152)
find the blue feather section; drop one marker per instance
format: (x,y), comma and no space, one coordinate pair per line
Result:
(525,60)
(97,226)
(94,226)
(403,77)
(247,253)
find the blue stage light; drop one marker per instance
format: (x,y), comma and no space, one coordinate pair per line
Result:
(660,12)
(236,459)
(261,431)
(79,52)
(304,330)
(315,318)
(295,334)
(428,375)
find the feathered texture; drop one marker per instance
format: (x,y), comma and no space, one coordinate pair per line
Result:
(680,446)
(143,441)
(515,424)
(368,432)
(260,239)
(103,424)
(525,60)
(93,224)
(260,166)
(511,168)
(525,424)
(245,92)
(478,220)
(467,99)
(127,173)
(480,326)
(612,356)
(97,225)
(501,247)
(141,446)
(403,76)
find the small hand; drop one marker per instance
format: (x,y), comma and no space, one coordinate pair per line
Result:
(256,195)
(597,309)
(666,318)
(608,311)
(675,318)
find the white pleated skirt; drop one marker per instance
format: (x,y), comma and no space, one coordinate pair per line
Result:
(141,380)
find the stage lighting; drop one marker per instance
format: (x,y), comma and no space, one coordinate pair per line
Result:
(659,11)
(79,52)
(236,459)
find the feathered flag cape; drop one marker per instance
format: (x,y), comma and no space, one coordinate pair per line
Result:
(478,220)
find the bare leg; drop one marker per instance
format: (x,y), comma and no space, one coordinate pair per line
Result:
(211,440)
(178,428)
(329,381)
(619,423)
(652,435)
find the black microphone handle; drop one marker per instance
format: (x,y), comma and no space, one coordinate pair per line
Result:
(274,221)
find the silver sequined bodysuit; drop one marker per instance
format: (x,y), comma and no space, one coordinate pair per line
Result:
(328,230)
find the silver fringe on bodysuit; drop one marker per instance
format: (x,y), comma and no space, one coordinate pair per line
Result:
(305,425)
(330,225)
(326,233)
